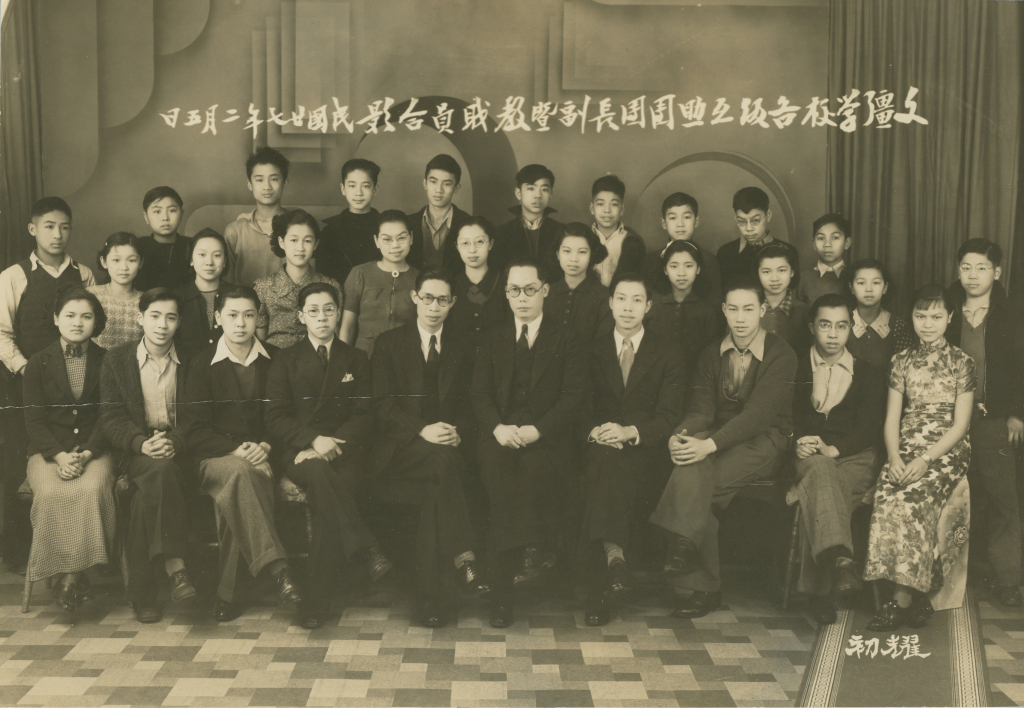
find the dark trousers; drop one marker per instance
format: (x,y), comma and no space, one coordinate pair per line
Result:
(157,527)
(994,510)
(430,475)
(17,530)
(686,505)
(338,528)
(612,479)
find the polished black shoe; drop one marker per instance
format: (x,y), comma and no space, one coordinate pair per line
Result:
(501,615)
(682,558)
(429,612)
(920,611)
(844,578)
(287,591)
(472,579)
(312,615)
(379,564)
(181,587)
(889,617)
(535,561)
(147,614)
(1008,595)
(224,611)
(698,604)
(823,610)
(66,596)
(620,579)
(598,613)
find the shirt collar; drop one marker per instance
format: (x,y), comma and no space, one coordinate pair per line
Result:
(620,232)
(255,224)
(757,244)
(845,360)
(224,353)
(317,344)
(620,340)
(64,344)
(425,336)
(787,303)
(532,225)
(756,346)
(531,328)
(880,325)
(34,259)
(837,268)
(142,354)
(446,221)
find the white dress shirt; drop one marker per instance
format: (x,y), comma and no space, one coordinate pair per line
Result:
(425,339)
(531,329)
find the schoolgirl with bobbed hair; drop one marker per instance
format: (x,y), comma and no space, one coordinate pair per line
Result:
(120,258)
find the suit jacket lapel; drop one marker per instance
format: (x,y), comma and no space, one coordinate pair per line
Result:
(412,359)
(337,367)
(641,363)
(93,367)
(448,366)
(59,372)
(610,365)
(504,362)
(544,348)
(311,369)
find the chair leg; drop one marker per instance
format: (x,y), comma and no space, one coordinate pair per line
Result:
(791,562)
(309,526)
(27,595)
(875,595)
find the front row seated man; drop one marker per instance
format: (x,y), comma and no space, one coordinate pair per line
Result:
(421,377)
(226,390)
(838,410)
(142,386)
(738,421)
(319,416)
(529,387)
(638,399)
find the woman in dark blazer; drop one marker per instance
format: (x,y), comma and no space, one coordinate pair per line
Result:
(70,473)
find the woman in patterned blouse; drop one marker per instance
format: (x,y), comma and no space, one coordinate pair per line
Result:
(296,234)
(121,259)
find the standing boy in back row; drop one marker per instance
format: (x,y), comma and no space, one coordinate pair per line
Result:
(531,232)
(435,227)
(248,236)
(739,258)
(347,239)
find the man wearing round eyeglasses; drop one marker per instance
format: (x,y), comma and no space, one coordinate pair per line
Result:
(529,387)
(421,378)
(838,410)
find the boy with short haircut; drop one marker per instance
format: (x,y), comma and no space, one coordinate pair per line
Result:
(28,290)
(991,331)
(435,227)
(248,236)
(166,255)
(838,410)
(738,259)
(226,393)
(143,387)
(680,218)
(347,238)
(738,421)
(626,249)
(638,399)
(832,240)
(531,232)
(421,377)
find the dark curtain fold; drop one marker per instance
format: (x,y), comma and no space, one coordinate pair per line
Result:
(21,161)
(915,192)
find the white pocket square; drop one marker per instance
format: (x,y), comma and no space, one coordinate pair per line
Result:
(348,377)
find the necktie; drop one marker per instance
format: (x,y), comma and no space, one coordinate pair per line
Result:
(523,343)
(322,351)
(73,350)
(626,359)
(432,355)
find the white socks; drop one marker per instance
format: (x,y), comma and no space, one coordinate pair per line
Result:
(613,551)
(462,559)
(173,565)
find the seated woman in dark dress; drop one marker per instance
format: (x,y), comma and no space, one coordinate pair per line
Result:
(578,300)
(479,287)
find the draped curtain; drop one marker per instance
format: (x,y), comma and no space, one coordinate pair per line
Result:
(915,192)
(21,164)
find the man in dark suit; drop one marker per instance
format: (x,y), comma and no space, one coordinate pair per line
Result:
(319,413)
(421,378)
(531,231)
(638,400)
(435,227)
(529,387)
(224,420)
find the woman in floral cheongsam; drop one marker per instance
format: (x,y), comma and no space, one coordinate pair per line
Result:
(921,519)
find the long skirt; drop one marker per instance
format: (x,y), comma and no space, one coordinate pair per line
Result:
(73,520)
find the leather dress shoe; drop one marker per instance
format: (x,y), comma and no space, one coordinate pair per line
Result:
(429,612)
(312,615)
(66,595)
(620,579)
(501,615)
(287,591)
(379,564)
(1008,595)
(889,617)
(823,610)
(224,611)
(147,614)
(682,558)
(181,587)
(598,612)
(535,561)
(698,604)
(920,611)
(472,579)
(844,578)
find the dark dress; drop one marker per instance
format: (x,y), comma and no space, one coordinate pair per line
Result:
(689,325)
(867,344)
(584,310)
(478,307)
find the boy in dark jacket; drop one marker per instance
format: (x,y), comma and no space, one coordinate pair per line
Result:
(531,232)
(626,249)
(142,386)
(838,410)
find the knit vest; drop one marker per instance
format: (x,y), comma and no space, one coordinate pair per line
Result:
(34,329)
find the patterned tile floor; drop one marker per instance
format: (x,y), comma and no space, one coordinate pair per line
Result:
(748,654)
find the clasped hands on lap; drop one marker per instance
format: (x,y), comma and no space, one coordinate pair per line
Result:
(688,450)
(814,445)
(255,454)
(71,465)
(441,434)
(906,474)
(613,435)
(516,436)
